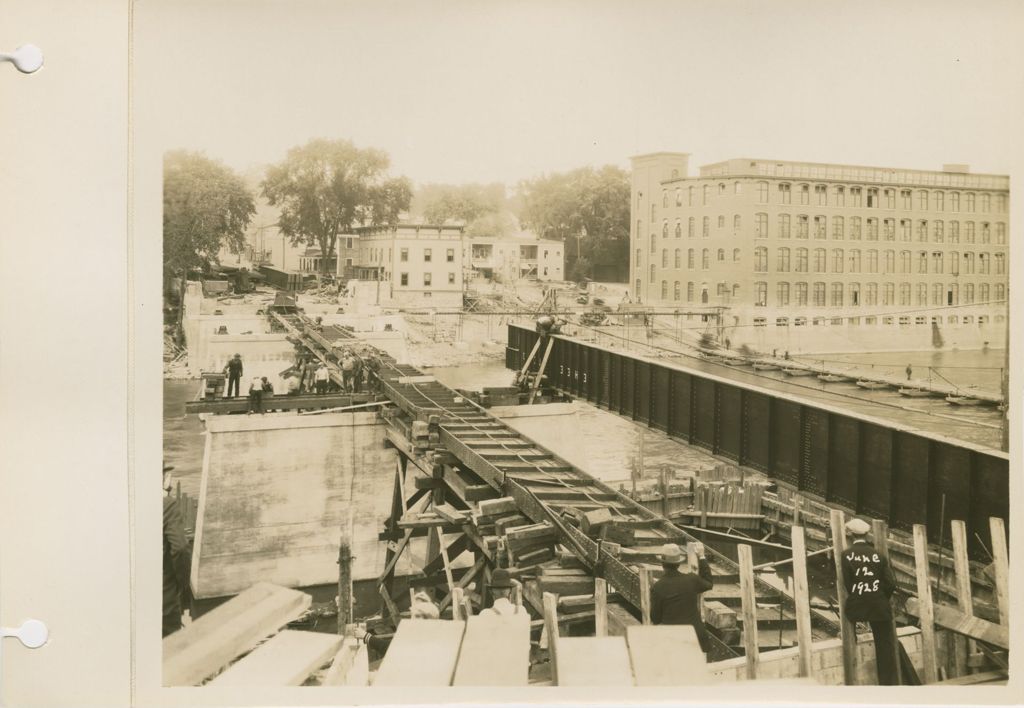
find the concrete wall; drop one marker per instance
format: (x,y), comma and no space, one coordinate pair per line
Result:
(277,493)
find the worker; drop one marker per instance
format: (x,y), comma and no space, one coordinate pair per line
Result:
(870,584)
(501,590)
(268,388)
(234,374)
(177,560)
(256,395)
(348,368)
(373,372)
(358,371)
(308,376)
(294,383)
(675,598)
(322,377)
(910,371)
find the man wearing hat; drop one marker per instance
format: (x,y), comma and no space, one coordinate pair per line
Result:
(177,560)
(234,372)
(870,584)
(675,598)
(501,590)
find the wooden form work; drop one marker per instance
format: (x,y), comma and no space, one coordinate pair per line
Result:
(422,653)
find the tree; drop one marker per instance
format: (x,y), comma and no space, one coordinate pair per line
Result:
(326,187)
(586,208)
(206,207)
(437,203)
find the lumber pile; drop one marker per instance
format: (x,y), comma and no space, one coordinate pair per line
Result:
(517,541)
(726,505)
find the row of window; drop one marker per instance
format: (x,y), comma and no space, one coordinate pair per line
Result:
(800,260)
(923,229)
(428,279)
(902,320)
(841,196)
(821,294)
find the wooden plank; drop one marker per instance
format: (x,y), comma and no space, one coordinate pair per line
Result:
(447,562)
(666,655)
(594,661)
(880,535)
(351,665)
(600,607)
(286,659)
(550,606)
(802,599)
(1001,563)
(974,679)
(956,621)
(422,653)
(495,651)
(501,505)
(962,647)
(209,643)
(747,594)
(847,630)
(645,594)
(924,595)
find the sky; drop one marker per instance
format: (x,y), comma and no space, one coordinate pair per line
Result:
(503,91)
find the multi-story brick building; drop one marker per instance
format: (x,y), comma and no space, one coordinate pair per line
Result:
(784,244)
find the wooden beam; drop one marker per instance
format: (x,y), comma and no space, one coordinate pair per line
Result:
(962,647)
(802,599)
(287,659)
(350,667)
(1001,563)
(600,607)
(551,629)
(464,581)
(924,595)
(645,594)
(210,642)
(447,562)
(880,535)
(973,679)
(457,606)
(847,629)
(344,584)
(748,598)
(956,621)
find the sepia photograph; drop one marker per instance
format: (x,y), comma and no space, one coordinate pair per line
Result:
(627,345)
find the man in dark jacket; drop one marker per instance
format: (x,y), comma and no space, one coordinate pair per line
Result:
(870,584)
(177,562)
(675,598)
(234,372)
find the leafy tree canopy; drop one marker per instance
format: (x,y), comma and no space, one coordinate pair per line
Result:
(437,203)
(327,187)
(587,208)
(206,206)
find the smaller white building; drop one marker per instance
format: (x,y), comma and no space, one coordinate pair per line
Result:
(506,259)
(419,264)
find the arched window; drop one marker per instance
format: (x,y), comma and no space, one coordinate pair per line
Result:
(664,229)
(784,220)
(801,260)
(785,193)
(954,201)
(679,229)
(677,291)
(638,258)
(782,264)
(922,261)
(986,202)
(1000,291)
(819,294)
(837,227)
(801,226)
(736,221)
(938,232)
(690,228)
(664,258)
(969,202)
(805,194)
(652,274)
(922,294)
(721,188)
(854,289)
(762,192)
(679,195)
(721,254)
(969,232)
(760,293)
(938,294)
(689,196)
(871,294)
(983,292)
(872,264)
(889,294)
(954,263)
(1000,264)
(819,260)
(837,260)
(705,259)
(735,255)
(969,293)
(706,194)
(938,198)
(760,225)
(854,260)
(904,293)
(689,292)
(922,230)
(760,259)
(782,294)
(664,290)
(664,199)
(801,294)
(737,187)
(679,258)
(890,262)
(922,199)
(689,259)
(904,261)
(706,227)
(837,294)
(654,245)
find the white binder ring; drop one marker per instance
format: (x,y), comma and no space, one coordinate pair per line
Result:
(27,58)
(32,633)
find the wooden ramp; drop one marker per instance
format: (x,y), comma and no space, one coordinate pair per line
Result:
(210,643)
(495,651)
(666,655)
(287,659)
(593,661)
(422,653)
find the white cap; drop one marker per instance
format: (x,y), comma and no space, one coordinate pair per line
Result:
(858,527)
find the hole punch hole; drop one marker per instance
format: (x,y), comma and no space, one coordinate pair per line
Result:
(28,58)
(32,633)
